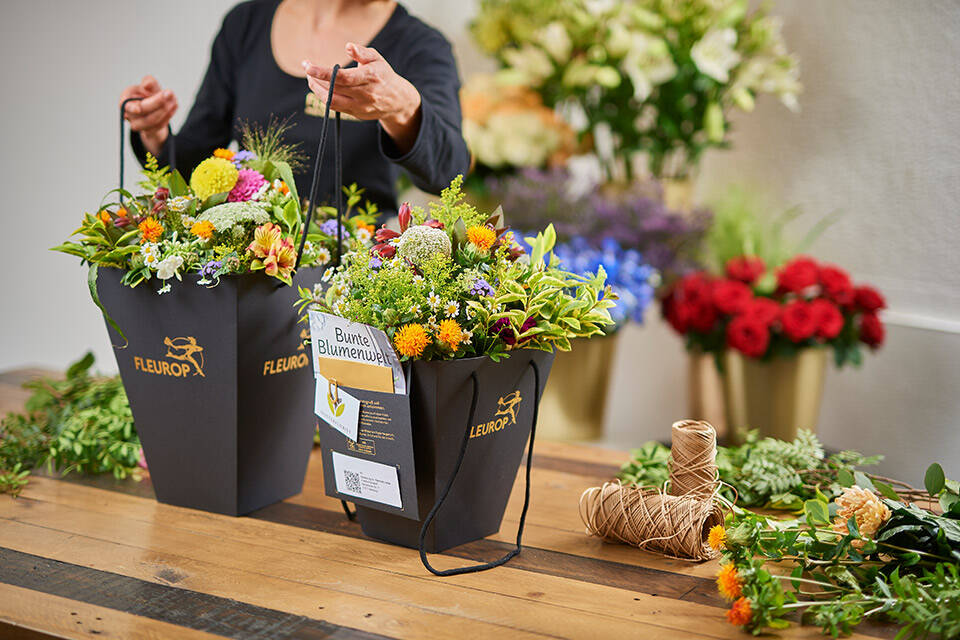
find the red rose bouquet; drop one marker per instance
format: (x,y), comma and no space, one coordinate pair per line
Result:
(766,315)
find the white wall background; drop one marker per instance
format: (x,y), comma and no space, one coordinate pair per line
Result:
(879,138)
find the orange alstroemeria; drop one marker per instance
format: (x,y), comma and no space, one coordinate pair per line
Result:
(265,238)
(281,260)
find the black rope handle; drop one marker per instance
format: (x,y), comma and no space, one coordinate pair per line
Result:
(338,159)
(446,490)
(171,141)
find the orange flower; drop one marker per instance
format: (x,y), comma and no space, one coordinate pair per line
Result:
(411,339)
(281,260)
(729,583)
(482,237)
(717,538)
(226,154)
(202,229)
(151,230)
(740,613)
(265,237)
(104,216)
(368,227)
(284,189)
(450,333)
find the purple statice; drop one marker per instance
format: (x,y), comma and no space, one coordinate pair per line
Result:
(628,274)
(329,228)
(481,288)
(633,215)
(243,156)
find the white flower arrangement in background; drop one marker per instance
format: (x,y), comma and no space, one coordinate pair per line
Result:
(660,75)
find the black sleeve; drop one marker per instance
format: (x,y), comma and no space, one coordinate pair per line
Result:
(210,121)
(439,152)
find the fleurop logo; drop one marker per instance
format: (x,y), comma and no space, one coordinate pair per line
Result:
(506,415)
(186,356)
(298,360)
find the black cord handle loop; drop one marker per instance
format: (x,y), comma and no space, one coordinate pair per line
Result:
(338,160)
(446,490)
(171,142)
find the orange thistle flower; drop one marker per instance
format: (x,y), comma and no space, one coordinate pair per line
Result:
(151,230)
(482,237)
(717,538)
(104,216)
(450,333)
(740,613)
(202,229)
(729,583)
(226,154)
(411,339)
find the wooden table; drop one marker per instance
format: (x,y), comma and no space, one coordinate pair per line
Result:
(92,557)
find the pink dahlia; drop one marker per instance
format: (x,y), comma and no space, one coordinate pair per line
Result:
(249,181)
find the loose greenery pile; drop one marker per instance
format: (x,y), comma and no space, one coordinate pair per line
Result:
(768,472)
(877,558)
(80,423)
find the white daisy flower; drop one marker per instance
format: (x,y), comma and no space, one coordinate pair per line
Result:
(363,235)
(323,255)
(417,278)
(149,252)
(452,308)
(434,300)
(432,324)
(416,310)
(467,337)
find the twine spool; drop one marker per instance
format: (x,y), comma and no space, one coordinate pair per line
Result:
(693,459)
(675,526)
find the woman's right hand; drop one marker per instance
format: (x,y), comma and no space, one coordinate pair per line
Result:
(150,116)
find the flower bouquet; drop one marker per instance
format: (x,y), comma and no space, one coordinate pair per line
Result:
(769,333)
(199,363)
(476,317)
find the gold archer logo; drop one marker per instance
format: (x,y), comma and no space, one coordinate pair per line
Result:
(508,406)
(188,350)
(505,416)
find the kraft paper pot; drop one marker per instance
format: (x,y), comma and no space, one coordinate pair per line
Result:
(575,402)
(777,397)
(220,386)
(440,396)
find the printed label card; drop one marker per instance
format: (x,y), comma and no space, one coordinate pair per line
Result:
(368,480)
(356,354)
(337,408)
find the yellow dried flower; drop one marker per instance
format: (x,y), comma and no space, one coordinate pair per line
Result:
(411,340)
(717,537)
(482,237)
(863,505)
(450,333)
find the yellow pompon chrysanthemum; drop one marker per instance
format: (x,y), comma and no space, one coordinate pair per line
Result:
(202,229)
(213,175)
(226,154)
(410,340)
(729,583)
(717,538)
(482,237)
(450,333)
(150,230)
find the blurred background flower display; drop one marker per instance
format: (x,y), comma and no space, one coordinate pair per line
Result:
(650,80)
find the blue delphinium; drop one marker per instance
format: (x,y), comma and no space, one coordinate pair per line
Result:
(630,277)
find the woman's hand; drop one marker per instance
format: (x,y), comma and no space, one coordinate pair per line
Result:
(150,116)
(371,91)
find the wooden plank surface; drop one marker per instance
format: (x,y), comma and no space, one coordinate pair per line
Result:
(94,546)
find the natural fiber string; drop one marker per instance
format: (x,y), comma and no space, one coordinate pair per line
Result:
(675,526)
(693,459)
(673,521)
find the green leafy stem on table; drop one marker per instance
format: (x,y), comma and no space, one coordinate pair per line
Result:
(79,423)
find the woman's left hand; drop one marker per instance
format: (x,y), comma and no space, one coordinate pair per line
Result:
(371,91)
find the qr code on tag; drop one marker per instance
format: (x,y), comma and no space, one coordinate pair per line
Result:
(351,482)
